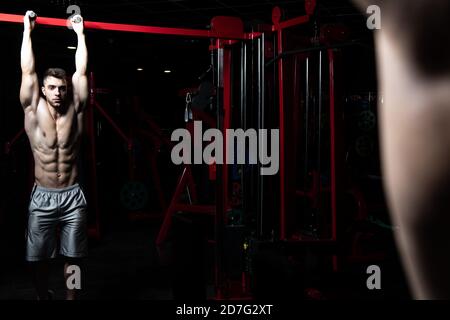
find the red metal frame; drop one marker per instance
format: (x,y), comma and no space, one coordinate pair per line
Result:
(9,144)
(186,180)
(226,121)
(316,188)
(58,22)
(282,138)
(291,23)
(278,27)
(333,120)
(90,130)
(231,33)
(155,135)
(114,125)
(332,145)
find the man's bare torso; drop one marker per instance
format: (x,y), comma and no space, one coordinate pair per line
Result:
(55,143)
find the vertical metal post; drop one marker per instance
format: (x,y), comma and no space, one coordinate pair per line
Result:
(93,157)
(282,137)
(222,74)
(333,153)
(227,93)
(305,184)
(332,144)
(319,146)
(261,124)
(243,95)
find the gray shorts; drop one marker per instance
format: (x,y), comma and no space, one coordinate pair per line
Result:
(53,210)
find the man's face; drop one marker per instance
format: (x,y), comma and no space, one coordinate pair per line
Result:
(55,91)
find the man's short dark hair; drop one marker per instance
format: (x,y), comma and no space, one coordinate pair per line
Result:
(56,73)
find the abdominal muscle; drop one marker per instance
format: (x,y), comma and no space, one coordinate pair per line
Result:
(55,168)
(55,145)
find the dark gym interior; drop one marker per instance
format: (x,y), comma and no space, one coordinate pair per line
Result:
(308,232)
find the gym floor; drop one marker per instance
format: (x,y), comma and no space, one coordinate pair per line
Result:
(125,264)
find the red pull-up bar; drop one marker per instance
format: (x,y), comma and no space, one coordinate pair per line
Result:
(4,17)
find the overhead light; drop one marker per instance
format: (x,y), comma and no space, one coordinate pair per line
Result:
(167,71)
(139,69)
(72,48)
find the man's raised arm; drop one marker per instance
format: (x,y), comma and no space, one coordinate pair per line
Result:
(79,79)
(29,89)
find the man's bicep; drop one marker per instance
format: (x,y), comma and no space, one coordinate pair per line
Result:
(29,90)
(80,88)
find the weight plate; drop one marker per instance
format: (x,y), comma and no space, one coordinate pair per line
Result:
(133,195)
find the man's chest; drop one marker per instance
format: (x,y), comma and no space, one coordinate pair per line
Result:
(61,132)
